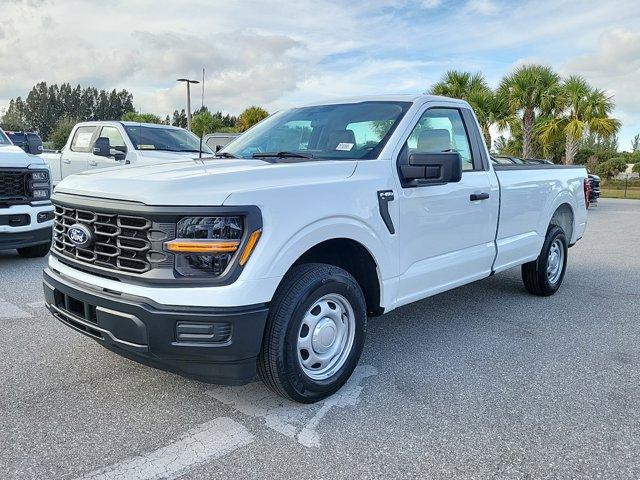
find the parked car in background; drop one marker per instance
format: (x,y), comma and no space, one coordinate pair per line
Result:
(103,144)
(594,189)
(27,141)
(271,258)
(26,213)
(217,141)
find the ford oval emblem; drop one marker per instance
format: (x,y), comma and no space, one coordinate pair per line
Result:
(80,235)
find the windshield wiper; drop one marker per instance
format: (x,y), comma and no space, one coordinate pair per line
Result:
(225,155)
(282,155)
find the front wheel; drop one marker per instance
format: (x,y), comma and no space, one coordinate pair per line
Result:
(315,333)
(544,275)
(35,251)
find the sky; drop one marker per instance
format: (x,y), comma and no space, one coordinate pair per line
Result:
(281,53)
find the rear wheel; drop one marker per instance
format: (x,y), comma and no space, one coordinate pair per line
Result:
(35,251)
(544,275)
(314,334)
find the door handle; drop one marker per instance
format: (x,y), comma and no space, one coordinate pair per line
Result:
(474,197)
(67,161)
(93,163)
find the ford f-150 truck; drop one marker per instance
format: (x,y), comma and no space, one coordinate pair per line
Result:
(271,257)
(104,144)
(26,213)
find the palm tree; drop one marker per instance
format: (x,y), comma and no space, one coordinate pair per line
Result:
(583,109)
(527,92)
(473,88)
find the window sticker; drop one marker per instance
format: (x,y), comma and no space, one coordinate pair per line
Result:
(83,139)
(346,147)
(146,147)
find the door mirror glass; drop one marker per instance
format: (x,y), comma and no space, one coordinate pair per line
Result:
(102,148)
(432,168)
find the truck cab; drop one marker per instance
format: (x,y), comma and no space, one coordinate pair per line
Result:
(26,213)
(105,144)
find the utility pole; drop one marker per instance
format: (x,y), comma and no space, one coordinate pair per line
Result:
(188,82)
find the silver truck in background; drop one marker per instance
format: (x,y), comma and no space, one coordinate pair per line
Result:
(103,144)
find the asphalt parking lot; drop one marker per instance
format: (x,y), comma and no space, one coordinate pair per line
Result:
(483,381)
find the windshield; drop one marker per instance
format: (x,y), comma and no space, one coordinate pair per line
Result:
(351,130)
(3,139)
(165,139)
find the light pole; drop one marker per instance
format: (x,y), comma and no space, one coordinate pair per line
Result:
(188,82)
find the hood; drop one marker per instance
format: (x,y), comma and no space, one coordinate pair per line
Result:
(15,157)
(199,182)
(157,156)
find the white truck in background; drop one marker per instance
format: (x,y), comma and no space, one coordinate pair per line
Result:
(270,258)
(26,213)
(104,144)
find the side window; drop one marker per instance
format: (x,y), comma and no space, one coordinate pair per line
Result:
(115,138)
(81,141)
(441,130)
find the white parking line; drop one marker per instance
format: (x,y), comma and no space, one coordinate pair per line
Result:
(199,445)
(10,311)
(288,418)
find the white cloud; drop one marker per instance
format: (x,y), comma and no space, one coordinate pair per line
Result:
(276,53)
(483,7)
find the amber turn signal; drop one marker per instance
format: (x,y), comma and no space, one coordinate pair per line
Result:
(248,249)
(202,246)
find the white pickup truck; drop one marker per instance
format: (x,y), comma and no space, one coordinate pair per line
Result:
(271,257)
(103,144)
(26,213)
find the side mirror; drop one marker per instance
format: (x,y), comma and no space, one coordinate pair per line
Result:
(34,145)
(102,148)
(433,168)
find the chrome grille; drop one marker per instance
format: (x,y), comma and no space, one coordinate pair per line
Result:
(121,242)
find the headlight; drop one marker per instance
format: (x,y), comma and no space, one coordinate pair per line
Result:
(40,194)
(40,176)
(205,246)
(39,185)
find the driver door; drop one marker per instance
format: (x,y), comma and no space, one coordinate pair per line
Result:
(447,231)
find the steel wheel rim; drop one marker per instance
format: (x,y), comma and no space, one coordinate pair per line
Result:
(555,261)
(326,336)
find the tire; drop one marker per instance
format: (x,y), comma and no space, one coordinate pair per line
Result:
(541,277)
(35,251)
(303,319)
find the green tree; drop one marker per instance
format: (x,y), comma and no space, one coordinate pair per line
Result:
(527,92)
(250,117)
(12,120)
(141,117)
(636,167)
(611,167)
(179,119)
(635,143)
(583,110)
(62,131)
(473,88)
(204,122)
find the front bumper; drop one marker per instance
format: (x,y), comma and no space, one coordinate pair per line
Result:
(28,238)
(15,232)
(215,345)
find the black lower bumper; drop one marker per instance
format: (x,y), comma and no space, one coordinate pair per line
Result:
(11,240)
(214,345)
